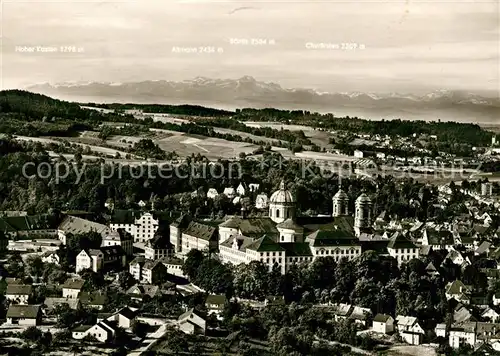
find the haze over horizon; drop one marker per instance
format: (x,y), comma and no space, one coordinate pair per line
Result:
(402,46)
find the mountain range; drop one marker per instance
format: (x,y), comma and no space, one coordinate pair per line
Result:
(249,92)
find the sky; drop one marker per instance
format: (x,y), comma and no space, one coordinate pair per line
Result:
(401,46)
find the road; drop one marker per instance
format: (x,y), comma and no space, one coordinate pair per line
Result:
(353,348)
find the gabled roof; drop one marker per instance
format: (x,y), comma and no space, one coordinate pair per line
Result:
(73,283)
(430,267)
(201,231)
(232,222)
(483,247)
(457,287)
(219,299)
(381,318)
(18,289)
(335,237)
(75,225)
(125,216)
(95,298)
(290,224)
(399,241)
(439,237)
(144,289)
(407,321)
(127,313)
(23,311)
(51,302)
(265,244)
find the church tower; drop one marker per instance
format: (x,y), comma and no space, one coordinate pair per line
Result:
(362,214)
(281,205)
(340,203)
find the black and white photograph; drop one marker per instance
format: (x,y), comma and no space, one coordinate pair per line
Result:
(247,178)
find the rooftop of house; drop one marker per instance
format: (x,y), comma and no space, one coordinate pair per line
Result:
(201,231)
(399,241)
(381,318)
(18,289)
(75,225)
(337,237)
(265,244)
(125,216)
(95,298)
(218,299)
(23,311)
(73,283)
(51,302)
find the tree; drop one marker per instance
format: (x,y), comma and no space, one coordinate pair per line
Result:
(193,260)
(32,334)
(34,266)
(125,280)
(93,280)
(140,329)
(66,317)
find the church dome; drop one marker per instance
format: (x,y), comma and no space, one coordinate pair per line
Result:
(340,195)
(363,199)
(282,196)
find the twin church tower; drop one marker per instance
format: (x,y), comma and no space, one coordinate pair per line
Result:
(282,206)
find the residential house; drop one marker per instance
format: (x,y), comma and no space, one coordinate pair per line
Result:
(490,315)
(124,317)
(51,303)
(383,323)
(141,291)
(464,333)
(89,259)
(191,323)
(456,257)
(108,257)
(123,239)
(94,300)
(401,248)
(458,291)
(431,270)
(215,304)
(153,272)
(159,246)
(103,331)
(483,248)
(72,288)
(18,314)
(343,311)
(18,293)
(174,266)
(135,267)
(438,239)
(440,330)
(409,329)
(360,315)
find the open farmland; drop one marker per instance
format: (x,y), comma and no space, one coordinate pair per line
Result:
(212,148)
